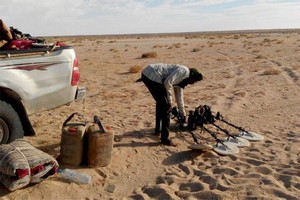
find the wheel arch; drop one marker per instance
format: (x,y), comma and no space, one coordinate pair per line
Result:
(14,100)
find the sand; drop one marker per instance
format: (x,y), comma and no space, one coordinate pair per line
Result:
(251,78)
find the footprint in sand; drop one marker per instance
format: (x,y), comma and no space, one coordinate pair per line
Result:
(191,187)
(198,195)
(227,170)
(253,161)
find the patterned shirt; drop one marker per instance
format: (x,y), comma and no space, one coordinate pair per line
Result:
(169,75)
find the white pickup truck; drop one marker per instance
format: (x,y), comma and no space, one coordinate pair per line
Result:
(32,81)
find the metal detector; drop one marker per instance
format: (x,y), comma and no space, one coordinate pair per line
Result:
(248,135)
(201,116)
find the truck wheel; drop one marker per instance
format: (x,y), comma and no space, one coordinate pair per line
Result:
(10,125)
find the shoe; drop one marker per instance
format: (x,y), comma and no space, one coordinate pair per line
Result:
(169,143)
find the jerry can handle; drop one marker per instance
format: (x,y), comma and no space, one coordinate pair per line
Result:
(98,122)
(72,115)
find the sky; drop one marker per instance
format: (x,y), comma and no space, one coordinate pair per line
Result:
(106,17)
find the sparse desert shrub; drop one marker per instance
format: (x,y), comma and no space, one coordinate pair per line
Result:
(236,37)
(259,57)
(113,50)
(176,45)
(190,37)
(157,46)
(135,69)
(221,59)
(149,55)
(271,72)
(279,42)
(266,40)
(196,49)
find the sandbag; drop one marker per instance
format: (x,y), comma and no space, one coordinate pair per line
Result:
(21,164)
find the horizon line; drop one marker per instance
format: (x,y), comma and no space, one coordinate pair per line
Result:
(279,30)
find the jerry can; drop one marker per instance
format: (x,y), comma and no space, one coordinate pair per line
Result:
(100,145)
(72,141)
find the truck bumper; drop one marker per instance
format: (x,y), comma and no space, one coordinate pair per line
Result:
(80,93)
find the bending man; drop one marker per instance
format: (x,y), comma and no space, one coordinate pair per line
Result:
(161,79)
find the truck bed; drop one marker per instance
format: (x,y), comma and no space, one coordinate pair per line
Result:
(32,51)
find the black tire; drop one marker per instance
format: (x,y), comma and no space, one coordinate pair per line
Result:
(10,125)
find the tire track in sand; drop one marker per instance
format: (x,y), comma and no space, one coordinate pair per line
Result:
(231,83)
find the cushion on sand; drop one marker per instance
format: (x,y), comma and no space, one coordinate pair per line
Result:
(21,164)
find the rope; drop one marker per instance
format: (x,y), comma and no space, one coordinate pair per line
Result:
(28,166)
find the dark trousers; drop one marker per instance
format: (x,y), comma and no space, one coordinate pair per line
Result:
(162,120)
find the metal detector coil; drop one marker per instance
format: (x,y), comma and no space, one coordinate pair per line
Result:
(251,136)
(225,149)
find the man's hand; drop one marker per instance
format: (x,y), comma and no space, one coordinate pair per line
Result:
(169,108)
(169,105)
(181,119)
